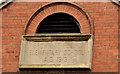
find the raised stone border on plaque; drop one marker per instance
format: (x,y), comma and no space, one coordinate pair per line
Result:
(56,51)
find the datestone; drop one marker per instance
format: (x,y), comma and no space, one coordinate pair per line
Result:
(56,53)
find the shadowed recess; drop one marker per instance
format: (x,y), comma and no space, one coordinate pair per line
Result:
(59,23)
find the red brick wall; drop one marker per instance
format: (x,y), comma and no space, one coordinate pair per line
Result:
(103,22)
(119,39)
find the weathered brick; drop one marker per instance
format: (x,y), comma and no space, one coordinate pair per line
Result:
(16,15)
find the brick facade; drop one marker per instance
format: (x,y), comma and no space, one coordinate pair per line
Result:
(97,18)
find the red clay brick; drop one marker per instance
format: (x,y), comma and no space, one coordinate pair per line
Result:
(103,18)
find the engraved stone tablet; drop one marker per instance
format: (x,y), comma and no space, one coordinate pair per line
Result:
(56,51)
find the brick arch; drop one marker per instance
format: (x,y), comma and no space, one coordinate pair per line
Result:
(60,7)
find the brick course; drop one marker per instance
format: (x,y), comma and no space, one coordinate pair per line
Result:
(102,22)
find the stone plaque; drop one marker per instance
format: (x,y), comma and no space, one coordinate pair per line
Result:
(56,51)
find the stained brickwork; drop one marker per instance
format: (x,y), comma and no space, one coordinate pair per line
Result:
(98,18)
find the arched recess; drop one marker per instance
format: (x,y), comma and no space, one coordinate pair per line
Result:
(60,7)
(59,23)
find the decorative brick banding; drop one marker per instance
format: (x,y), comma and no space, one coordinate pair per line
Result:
(59,7)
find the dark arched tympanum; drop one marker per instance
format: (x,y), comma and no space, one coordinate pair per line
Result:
(59,23)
